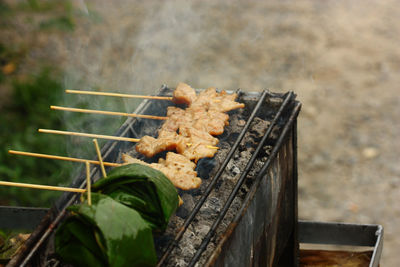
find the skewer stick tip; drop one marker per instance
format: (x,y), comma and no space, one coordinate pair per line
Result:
(208,146)
(96,145)
(46,156)
(43,187)
(88,183)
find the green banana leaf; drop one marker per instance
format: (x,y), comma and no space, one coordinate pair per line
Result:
(106,233)
(144,189)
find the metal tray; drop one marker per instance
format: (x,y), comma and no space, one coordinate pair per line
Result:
(344,234)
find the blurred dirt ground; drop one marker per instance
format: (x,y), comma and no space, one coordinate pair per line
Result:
(342,58)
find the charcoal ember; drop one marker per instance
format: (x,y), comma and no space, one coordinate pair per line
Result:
(259,127)
(211,208)
(235,170)
(236,124)
(275,132)
(204,166)
(188,249)
(267,149)
(184,210)
(252,137)
(202,230)
(241,122)
(173,226)
(233,167)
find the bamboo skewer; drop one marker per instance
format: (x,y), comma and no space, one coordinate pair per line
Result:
(96,145)
(118,95)
(88,184)
(44,187)
(113,113)
(22,153)
(208,146)
(110,137)
(117,138)
(82,92)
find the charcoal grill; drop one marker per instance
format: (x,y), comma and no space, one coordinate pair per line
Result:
(254,225)
(268,202)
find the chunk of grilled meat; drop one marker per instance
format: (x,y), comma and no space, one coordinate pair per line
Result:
(150,146)
(207,99)
(178,169)
(210,99)
(184,94)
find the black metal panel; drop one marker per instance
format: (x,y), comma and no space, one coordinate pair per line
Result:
(23,218)
(338,233)
(343,234)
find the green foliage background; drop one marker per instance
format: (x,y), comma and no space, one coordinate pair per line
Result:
(31,89)
(29,110)
(24,115)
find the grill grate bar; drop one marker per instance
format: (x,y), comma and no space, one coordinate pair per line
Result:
(213,182)
(234,192)
(280,141)
(263,170)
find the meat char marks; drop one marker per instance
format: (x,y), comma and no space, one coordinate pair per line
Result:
(190,142)
(184,94)
(207,99)
(177,168)
(190,131)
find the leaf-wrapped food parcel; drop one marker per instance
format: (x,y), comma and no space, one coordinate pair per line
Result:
(106,233)
(144,189)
